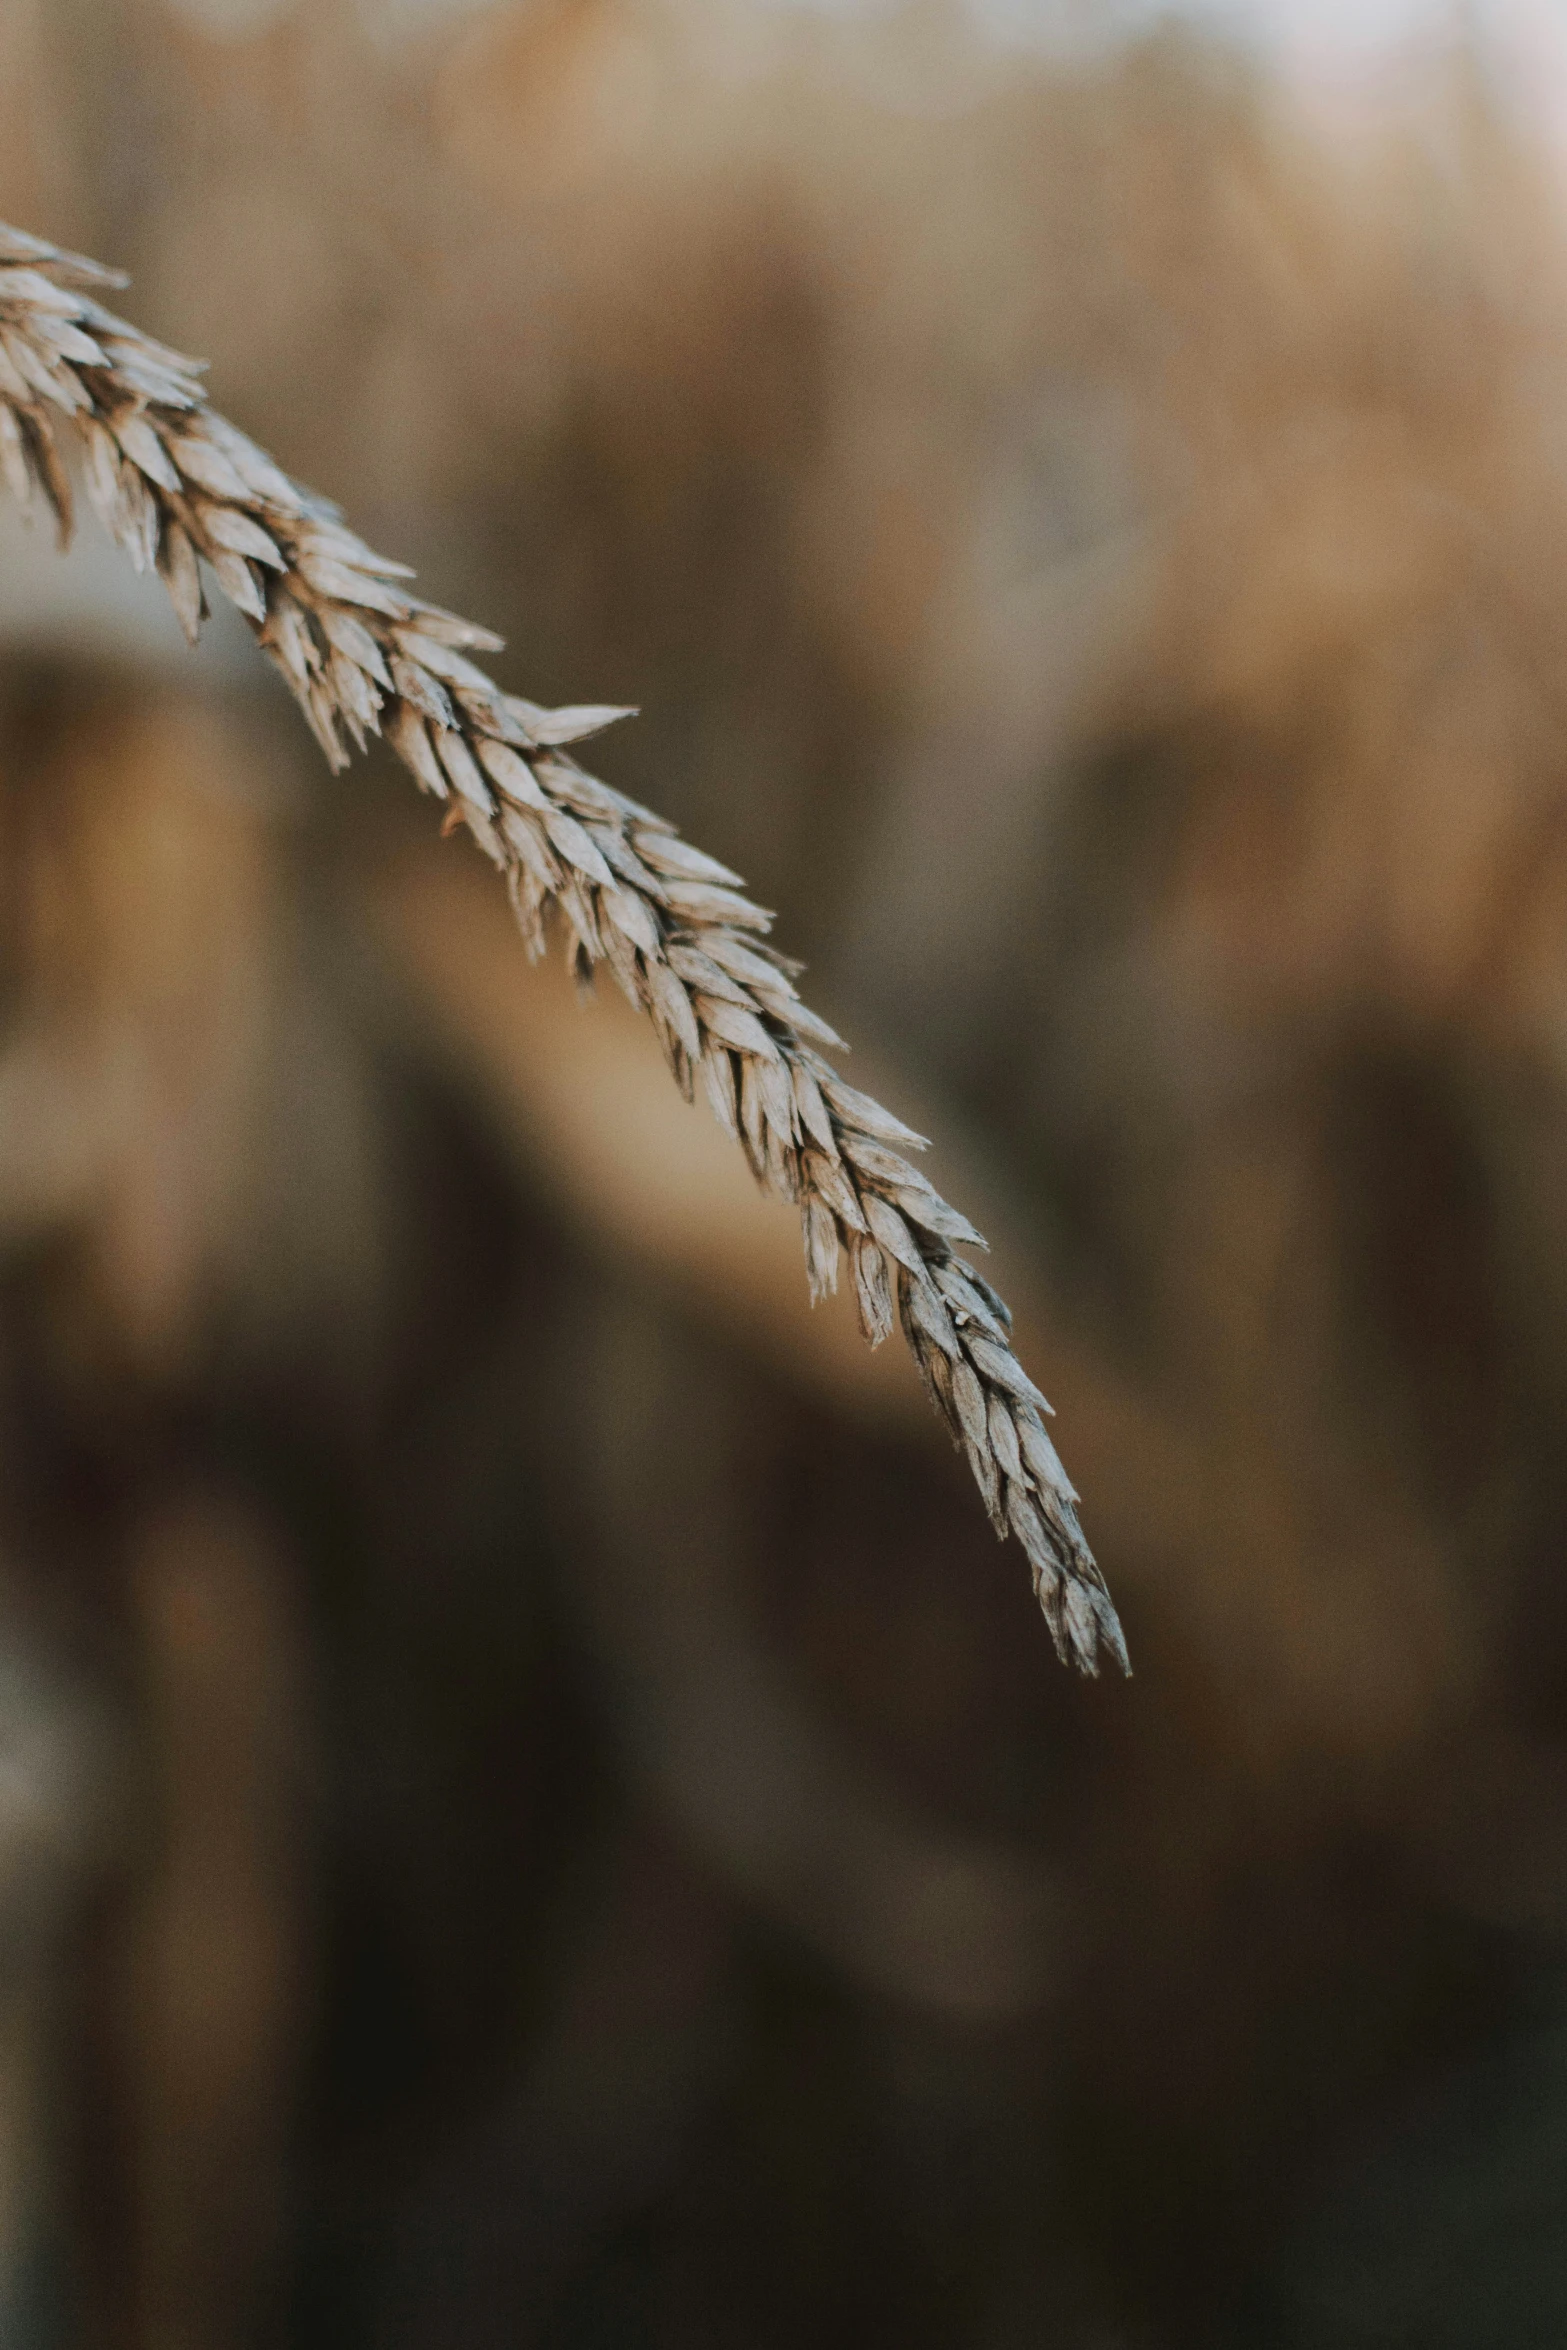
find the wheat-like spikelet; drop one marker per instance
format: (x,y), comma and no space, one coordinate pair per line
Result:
(177,486)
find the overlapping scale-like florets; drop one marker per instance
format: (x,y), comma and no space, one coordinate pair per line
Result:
(179,487)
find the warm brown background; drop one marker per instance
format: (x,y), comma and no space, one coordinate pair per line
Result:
(532,1811)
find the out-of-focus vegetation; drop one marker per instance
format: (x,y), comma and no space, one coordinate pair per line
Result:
(531,1811)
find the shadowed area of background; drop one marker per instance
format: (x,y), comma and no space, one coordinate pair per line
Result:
(532,1810)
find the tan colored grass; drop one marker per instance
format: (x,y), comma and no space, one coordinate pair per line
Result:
(177,486)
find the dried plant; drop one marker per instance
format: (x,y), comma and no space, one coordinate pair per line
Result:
(176,486)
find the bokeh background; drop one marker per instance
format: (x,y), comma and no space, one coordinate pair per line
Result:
(532,1810)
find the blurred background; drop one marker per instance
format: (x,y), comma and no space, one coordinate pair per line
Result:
(532,1810)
